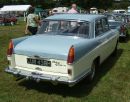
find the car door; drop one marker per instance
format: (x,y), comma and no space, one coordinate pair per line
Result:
(103,36)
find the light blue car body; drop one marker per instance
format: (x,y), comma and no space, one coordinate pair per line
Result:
(58,46)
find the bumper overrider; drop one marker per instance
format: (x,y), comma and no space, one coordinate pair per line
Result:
(40,76)
(122,36)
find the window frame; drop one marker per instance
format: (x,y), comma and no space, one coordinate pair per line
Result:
(102,32)
(70,20)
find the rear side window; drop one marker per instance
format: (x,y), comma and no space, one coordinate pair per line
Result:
(101,26)
(98,28)
(105,25)
(66,28)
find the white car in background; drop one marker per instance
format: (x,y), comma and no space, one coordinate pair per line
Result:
(122,11)
(93,10)
(59,10)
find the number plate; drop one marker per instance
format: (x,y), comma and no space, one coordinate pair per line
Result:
(40,62)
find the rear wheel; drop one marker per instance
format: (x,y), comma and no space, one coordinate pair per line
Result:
(93,71)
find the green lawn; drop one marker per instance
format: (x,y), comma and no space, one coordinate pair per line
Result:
(112,83)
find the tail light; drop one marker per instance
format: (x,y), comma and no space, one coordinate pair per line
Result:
(71,55)
(10,48)
(122,29)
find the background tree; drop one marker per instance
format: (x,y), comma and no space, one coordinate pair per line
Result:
(86,4)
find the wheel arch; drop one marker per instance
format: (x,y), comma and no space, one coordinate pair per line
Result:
(97,61)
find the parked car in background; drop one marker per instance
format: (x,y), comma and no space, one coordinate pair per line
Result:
(122,28)
(120,22)
(128,19)
(118,17)
(128,10)
(59,10)
(93,10)
(66,49)
(120,11)
(111,16)
(128,16)
(122,17)
(7,19)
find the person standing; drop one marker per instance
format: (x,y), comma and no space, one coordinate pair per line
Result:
(32,22)
(73,9)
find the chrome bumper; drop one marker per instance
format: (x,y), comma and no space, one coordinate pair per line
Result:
(122,35)
(40,77)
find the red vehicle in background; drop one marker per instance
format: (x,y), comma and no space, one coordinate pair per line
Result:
(7,19)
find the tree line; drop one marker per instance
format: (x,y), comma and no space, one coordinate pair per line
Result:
(86,4)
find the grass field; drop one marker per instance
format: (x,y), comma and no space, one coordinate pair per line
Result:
(112,83)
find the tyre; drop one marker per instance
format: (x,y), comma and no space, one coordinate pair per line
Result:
(92,73)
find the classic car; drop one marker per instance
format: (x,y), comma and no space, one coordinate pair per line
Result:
(122,28)
(122,17)
(111,16)
(66,49)
(120,22)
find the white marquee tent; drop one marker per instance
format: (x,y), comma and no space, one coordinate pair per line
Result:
(15,8)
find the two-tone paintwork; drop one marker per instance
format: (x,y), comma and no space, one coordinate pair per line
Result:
(55,48)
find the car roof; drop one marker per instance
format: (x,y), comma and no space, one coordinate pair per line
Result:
(85,17)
